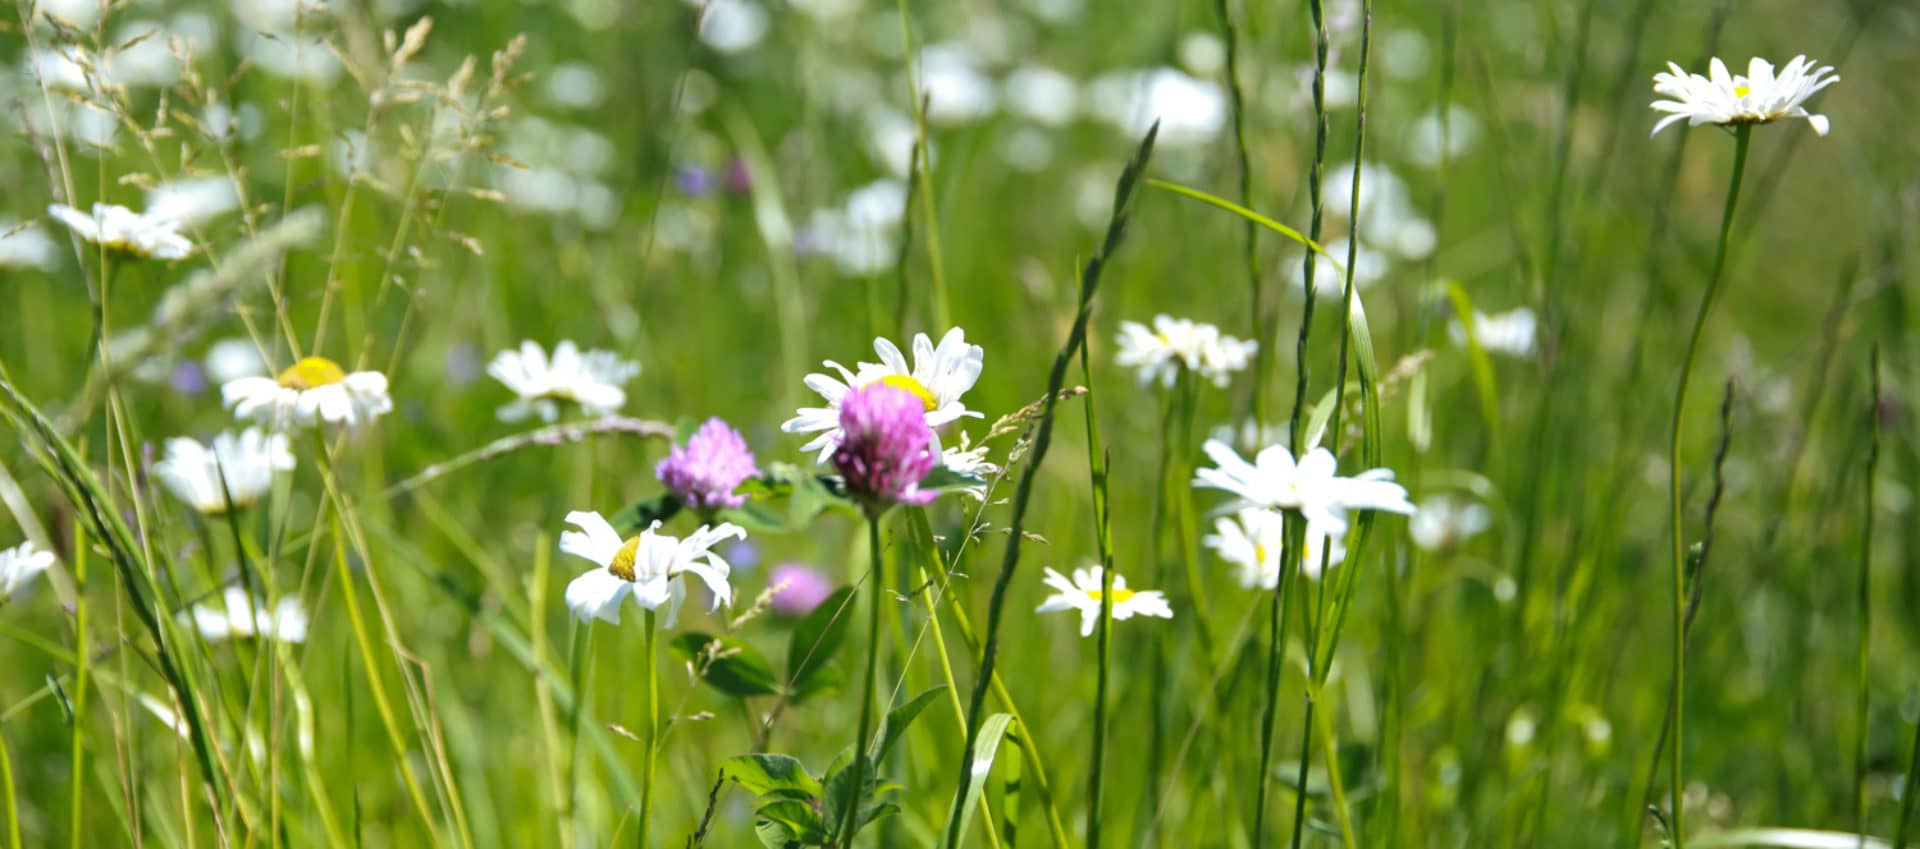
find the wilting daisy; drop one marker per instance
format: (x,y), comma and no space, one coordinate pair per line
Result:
(121,229)
(1173,344)
(241,615)
(1511,332)
(1761,96)
(938,377)
(313,389)
(704,472)
(19,565)
(193,472)
(1083,594)
(591,379)
(1253,539)
(648,568)
(1274,481)
(1444,521)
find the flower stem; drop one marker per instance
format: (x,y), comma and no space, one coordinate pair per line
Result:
(653,730)
(850,824)
(1104,637)
(1865,633)
(1742,135)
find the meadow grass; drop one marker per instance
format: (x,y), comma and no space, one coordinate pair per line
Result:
(1430,238)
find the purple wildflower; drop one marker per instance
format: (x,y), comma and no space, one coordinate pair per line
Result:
(739,176)
(704,472)
(693,180)
(887,448)
(805,588)
(189,378)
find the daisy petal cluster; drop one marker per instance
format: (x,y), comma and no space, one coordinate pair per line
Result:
(233,472)
(315,389)
(649,568)
(938,377)
(241,615)
(1083,594)
(1172,344)
(592,379)
(1760,96)
(1274,481)
(118,228)
(1253,539)
(704,472)
(19,565)
(886,447)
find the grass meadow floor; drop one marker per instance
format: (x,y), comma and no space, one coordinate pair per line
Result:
(727,193)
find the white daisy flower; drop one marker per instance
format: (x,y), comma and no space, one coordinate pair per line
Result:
(647,568)
(1444,522)
(1253,541)
(1274,481)
(193,472)
(938,377)
(591,379)
(1511,332)
(1759,97)
(1173,344)
(121,229)
(19,565)
(241,616)
(1083,594)
(971,460)
(313,389)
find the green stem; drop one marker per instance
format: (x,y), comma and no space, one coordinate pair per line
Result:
(6,785)
(1866,610)
(1095,779)
(1742,135)
(850,824)
(82,654)
(653,730)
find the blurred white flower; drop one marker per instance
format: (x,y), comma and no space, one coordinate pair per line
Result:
(229,360)
(1250,435)
(1190,111)
(64,67)
(1311,486)
(957,92)
(731,26)
(1028,150)
(76,14)
(890,138)
(591,379)
(1253,540)
(192,200)
(241,615)
(27,246)
(1759,97)
(1461,132)
(970,460)
(121,229)
(576,85)
(649,568)
(293,56)
(1511,332)
(1042,94)
(1084,591)
(193,472)
(1369,266)
(19,565)
(315,389)
(1403,53)
(1173,344)
(1203,54)
(938,377)
(1444,522)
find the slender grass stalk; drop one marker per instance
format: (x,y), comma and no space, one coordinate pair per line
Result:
(1023,493)
(923,145)
(6,787)
(1906,795)
(1256,289)
(1099,463)
(1742,135)
(850,826)
(652,649)
(1865,603)
(83,666)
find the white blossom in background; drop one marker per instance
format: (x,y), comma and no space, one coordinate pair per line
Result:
(1760,96)
(1190,111)
(593,380)
(1083,593)
(1444,522)
(1429,142)
(19,565)
(192,200)
(970,460)
(732,26)
(1512,332)
(1160,353)
(1311,486)
(193,472)
(240,615)
(1369,267)
(1042,95)
(229,360)
(27,246)
(121,229)
(313,390)
(957,92)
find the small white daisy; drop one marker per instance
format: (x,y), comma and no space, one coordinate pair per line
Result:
(121,229)
(19,565)
(1253,540)
(938,377)
(1173,344)
(1512,332)
(240,616)
(1761,96)
(193,472)
(1444,522)
(1274,481)
(313,389)
(1083,594)
(591,379)
(648,567)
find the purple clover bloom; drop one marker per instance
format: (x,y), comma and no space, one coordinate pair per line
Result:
(704,472)
(886,448)
(805,588)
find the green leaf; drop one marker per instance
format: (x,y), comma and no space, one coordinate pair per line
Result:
(1246,213)
(1477,356)
(641,514)
(897,720)
(764,774)
(740,671)
(776,835)
(944,478)
(755,515)
(794,818)
(985,747)
(812,496)
(815,641)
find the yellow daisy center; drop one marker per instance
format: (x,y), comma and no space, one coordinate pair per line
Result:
(1120,595)
(312,373)
(622,565)
(919,390)
(1742,91)
(1259,553)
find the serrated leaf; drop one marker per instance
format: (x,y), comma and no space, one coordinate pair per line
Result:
(641,514)
(739,671)
(762,774)
(814,643)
